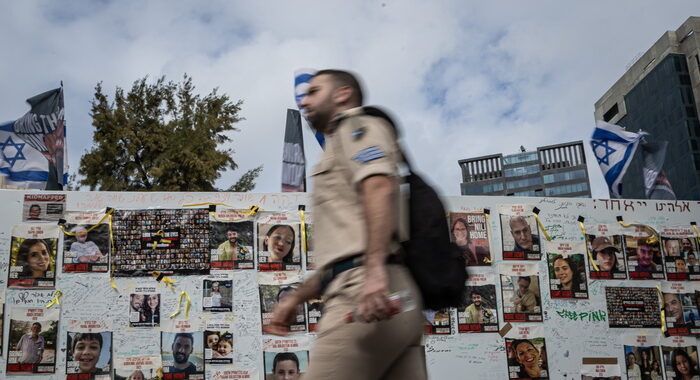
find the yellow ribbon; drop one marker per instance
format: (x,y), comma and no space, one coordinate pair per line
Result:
(160,233)
(108,214)
(169,282)
(653,239)
(159,373)
(585,241)
(206,204)
(183,295)
(695,227)
(663,310)
(303,230)
(487,260)
(111,242)
(56,299)
(539,223)
(253,210)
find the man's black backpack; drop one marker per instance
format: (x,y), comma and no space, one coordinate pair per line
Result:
(437,264)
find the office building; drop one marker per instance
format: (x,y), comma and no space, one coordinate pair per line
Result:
(660,94)
(552,171)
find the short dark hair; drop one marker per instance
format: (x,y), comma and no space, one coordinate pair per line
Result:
(86,336)
(526,278)
(345,78)
(184,335)
(282,356)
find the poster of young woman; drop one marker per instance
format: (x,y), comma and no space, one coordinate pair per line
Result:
(86,244)
(33,250)
(680,358)
(469,230)
(182,349)
(274,286)
(605,245)
(526,353)
(32,340)
(642,357)
(144,307)
(567,269)
(278,245)
(231,239)
(520,291)
(519,233)
(480,311)
(285,358)
(89,349)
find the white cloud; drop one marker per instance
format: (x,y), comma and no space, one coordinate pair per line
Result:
(463,79)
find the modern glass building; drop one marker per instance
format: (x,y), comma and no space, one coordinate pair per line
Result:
(660,94)
(553,171)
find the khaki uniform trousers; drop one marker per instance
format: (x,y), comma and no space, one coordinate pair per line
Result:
(386,350)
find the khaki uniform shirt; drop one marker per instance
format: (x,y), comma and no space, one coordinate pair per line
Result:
(356,147)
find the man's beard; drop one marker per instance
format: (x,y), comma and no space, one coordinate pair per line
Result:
(180,358)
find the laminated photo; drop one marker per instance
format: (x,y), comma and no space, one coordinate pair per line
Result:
(469,230)
(600,369)
(437,322)
(88,349)
(43,207)
(605,245)
(643,255)
(171,241)
(314,311)
(32,340)
(231,239)
(681,310)
(285,358)
(680,358)
(86,246)
(33,250)
(633,307)
(519,233)
(278,241)
(527,353)
(182,350)
(679,246)
(218,342)
(217,293)
(520,291)
(144,308)
(642,357)
(273,287)
(137,367)
(567,269)
(479,314)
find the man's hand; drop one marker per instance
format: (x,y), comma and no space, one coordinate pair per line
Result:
(283,315)
(373,303)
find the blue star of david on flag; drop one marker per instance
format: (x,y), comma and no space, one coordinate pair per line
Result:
(604,156)
(614,148)
(7,151)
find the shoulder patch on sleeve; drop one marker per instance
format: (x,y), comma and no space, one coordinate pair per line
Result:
(357,133)
(366,155)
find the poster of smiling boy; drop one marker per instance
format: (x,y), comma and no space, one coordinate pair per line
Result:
(88,349)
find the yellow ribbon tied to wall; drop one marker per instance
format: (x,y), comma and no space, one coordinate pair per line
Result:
(159,373)
(536,213)
(487,213)
(663,310)
(695,227)
(160,233)
(160,277)
(653,239)
(253,210)
(107,215)
(303,228)
(588,250)
(111,242)
(56,299)
(188,303)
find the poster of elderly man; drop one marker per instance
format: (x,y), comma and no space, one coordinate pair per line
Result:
(519,233)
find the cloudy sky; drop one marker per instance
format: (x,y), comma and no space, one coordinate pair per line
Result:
(464,78)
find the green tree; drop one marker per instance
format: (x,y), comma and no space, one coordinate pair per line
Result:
(161,137)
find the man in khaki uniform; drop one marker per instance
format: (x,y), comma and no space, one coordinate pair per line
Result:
(355,205)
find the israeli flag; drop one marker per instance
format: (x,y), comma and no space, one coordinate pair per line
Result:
(302,77)
(614,148)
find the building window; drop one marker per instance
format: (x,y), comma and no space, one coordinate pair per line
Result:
(522,170)
(518,158)
(611,113)
(566,189)
(566,176)
(523,183)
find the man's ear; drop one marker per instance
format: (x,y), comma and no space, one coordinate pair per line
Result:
(342,95)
